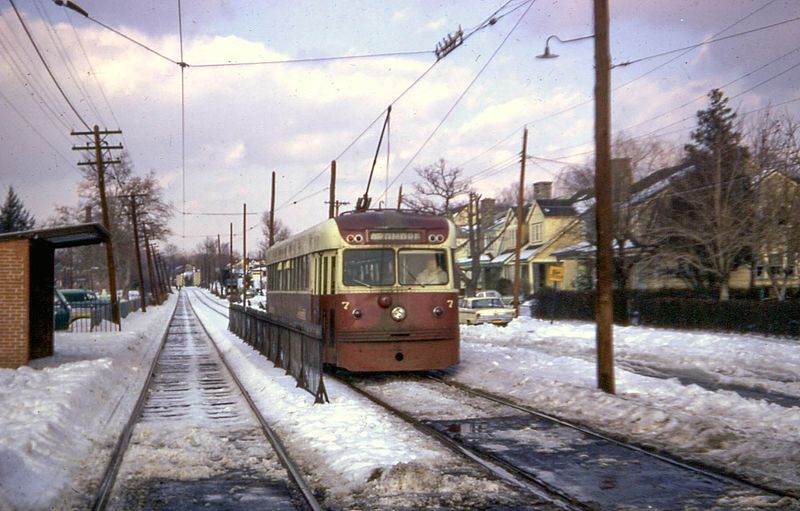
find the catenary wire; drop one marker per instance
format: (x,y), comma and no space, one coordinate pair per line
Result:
(463,93)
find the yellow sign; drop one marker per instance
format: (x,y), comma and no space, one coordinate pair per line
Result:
(555,273)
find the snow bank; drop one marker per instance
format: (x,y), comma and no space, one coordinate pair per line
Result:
(61,414)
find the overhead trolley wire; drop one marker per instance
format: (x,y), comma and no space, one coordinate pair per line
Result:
(463,93)
(482,25)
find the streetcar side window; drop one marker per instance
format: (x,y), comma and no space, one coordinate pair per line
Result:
(324,275)
(368,267)
(423,267)
(333,275)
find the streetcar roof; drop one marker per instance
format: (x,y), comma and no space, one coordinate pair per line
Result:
(327,235)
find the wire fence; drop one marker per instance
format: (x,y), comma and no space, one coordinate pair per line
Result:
(295,346)
(92,315)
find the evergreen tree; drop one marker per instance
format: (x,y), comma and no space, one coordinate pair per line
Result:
(13,215)
(705,225)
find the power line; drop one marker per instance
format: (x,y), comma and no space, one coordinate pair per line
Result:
(315,59)
(588,101)
(463,93)
(710,41)
(58,44)
(32,127)
(41,57)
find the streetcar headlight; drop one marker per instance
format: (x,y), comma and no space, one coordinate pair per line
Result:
(438,311)
(357,313)
(398,313)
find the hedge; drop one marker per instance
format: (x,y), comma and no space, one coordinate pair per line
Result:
(675,311)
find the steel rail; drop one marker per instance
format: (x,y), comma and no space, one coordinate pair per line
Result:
(696,467)
(499,468)
(292,469)
(112,469)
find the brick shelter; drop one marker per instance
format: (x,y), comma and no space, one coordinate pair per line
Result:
(26,288)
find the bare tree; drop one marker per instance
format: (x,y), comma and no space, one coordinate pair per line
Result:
(437,190)
(282,232)
(775,143)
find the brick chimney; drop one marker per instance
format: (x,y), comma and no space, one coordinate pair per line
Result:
(542,190)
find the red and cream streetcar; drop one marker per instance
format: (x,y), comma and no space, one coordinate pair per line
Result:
(381,285)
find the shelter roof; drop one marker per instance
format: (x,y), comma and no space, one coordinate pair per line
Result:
(64,236)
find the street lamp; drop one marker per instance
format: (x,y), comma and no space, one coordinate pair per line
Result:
(548,55)
(604,313)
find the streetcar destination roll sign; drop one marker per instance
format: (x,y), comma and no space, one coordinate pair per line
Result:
(395,236)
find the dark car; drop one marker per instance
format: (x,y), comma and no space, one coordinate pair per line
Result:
(87,304)
(61,311)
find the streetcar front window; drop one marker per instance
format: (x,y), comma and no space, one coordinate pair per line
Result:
(422,267)
(368,267)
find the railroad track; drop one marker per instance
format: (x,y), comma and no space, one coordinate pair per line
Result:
(196,440)
(579,468)
(211,304)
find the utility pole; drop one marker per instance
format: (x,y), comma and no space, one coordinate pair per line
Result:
(219,267)
(244,255)
(230,258)
(101,187)
(332,198)
(138,251)
(272,214)
(150,272)
(400,198)
(602,186)
(520,220)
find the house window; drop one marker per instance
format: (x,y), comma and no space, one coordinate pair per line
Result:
(536,232)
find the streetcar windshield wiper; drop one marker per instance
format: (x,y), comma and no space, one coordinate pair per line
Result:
(362,283)
(414,278)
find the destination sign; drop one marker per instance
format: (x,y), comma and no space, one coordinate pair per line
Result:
(394,236)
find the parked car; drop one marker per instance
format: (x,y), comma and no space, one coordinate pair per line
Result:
(61,311)
(478,310)
(87,304)
(489,293)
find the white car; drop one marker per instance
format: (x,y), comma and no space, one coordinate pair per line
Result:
(478,310)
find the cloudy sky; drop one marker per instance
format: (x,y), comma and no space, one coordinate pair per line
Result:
(242,122)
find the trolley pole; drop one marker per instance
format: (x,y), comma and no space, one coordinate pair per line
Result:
(332,198)
(520,220)
(138,251)
(602,186)
(272,214)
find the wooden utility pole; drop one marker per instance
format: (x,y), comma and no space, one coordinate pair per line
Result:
(520,220)
(150,273)
(138,252)
(602,186)
(219,267)
(230,258)
(332,188)
(272,214)
(244,254)
(101,188)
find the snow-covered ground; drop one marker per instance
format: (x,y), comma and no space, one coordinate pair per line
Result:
(552,368)
(60,417)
